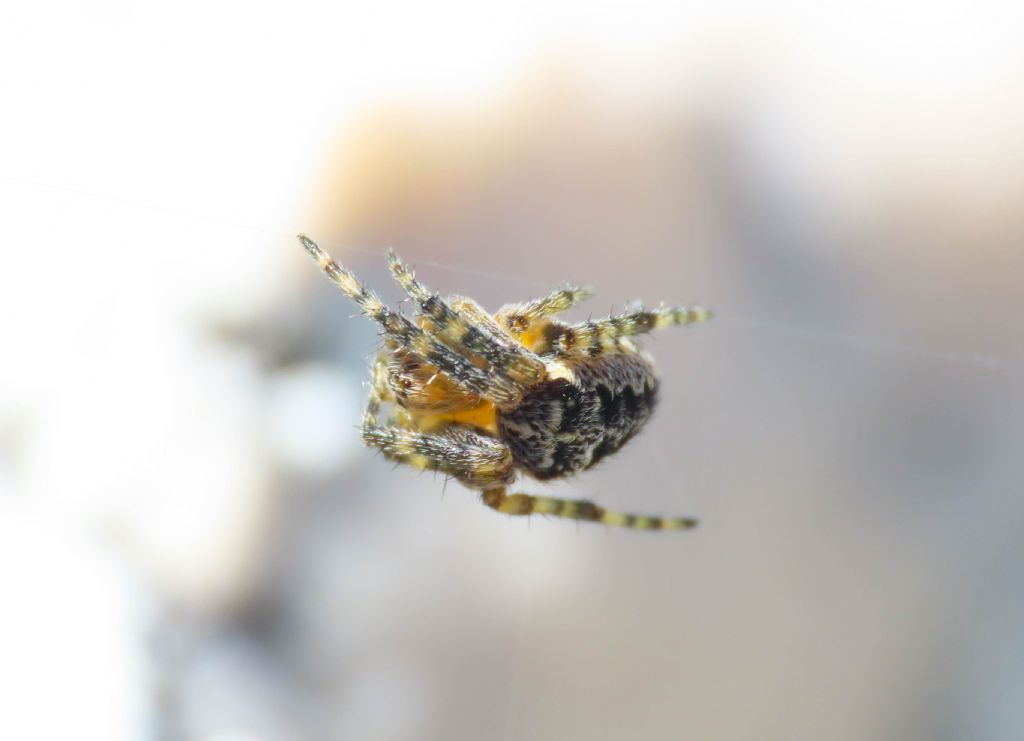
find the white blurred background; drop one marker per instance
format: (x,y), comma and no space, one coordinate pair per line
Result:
(193,543)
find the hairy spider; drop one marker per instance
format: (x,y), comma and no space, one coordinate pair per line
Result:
(481,397)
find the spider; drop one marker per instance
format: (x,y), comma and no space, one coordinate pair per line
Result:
(482,397)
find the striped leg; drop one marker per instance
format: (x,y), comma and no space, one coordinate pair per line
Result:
(404,333)
(511,367)
(476,314)
(478,461)
(603,335)
(519,318)
(499,499)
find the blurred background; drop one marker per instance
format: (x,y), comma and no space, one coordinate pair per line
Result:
(195,545)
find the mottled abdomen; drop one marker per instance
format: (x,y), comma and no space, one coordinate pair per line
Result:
(563,427)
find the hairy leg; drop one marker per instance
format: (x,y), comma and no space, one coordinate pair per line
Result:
(477,460)
(601,336)
(518,318)
(499,499)
(511,367)
(475,313)
(531,323)
(402,333)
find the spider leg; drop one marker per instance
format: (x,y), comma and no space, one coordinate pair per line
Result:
(499,499)
(519,317)
(478,461)
(510,366)
(405,334)
(380,394)
(601,336)
(531,323)
(476,314)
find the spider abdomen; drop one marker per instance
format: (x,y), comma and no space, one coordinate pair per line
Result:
(581,413)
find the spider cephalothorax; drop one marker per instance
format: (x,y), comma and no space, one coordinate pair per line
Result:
(481,397)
